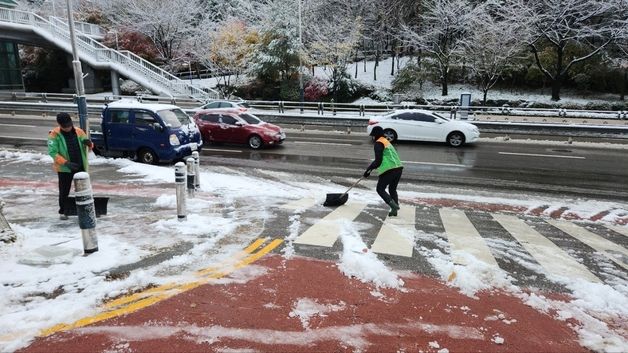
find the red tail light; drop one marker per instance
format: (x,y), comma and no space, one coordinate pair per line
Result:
(373,122)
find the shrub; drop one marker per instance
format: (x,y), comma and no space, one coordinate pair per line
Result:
(315,89)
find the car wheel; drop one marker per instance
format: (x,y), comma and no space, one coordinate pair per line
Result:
(255,142)
(390,135)
(146,155)
(455,139)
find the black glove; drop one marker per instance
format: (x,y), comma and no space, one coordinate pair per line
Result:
(74,167)
(367,173)
(87,142)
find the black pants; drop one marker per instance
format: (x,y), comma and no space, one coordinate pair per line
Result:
(65,184)
(390,180)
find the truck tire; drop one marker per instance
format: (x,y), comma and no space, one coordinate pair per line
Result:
(146,155)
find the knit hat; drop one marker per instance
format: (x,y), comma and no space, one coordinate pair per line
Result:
(377,131)
(64,120)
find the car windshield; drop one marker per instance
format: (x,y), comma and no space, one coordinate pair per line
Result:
(250,119)
(174,117)
(244,104)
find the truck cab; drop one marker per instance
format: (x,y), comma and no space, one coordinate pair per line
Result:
(150,132)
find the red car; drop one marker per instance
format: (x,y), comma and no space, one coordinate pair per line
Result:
(235,126)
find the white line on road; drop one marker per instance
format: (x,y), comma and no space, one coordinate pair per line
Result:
(606,247)
(440,164)
(326,231)
(541,155)
(396,236)
(321,143)
(464,238)
(18,125)
(220,150)
(553,259)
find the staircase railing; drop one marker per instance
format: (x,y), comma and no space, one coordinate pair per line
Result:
(120,61)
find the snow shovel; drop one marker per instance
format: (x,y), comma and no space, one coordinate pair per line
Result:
(339,199)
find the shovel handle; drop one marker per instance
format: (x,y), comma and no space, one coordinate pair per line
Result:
(354,184)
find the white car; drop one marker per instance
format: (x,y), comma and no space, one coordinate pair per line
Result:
(423,125)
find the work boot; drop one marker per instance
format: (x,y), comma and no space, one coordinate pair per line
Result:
(393,208)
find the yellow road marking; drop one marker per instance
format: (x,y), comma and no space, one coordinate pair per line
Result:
(151,296)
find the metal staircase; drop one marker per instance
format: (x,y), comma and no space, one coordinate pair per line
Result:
(99,56)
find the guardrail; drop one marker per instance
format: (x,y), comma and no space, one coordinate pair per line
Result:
(349,121)
(338,109)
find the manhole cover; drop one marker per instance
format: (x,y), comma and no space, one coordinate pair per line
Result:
(566,151)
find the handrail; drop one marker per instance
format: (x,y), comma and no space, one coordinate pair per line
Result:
(325,109)
(101,53)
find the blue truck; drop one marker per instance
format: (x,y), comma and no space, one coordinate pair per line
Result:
(149,132)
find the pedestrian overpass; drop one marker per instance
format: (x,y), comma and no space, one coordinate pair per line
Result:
(28,27)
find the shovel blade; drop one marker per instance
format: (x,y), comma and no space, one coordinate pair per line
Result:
(336,199)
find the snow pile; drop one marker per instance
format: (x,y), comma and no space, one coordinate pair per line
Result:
(306,308)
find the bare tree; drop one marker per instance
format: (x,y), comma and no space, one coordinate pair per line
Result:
(441,32)
(168,23)
(560,25)
(497,37)
(333,33)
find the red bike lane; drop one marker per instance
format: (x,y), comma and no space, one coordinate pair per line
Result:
(307,305)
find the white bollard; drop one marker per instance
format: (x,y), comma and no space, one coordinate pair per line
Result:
(179,183)
(197,170)
(190,168)
(86,211)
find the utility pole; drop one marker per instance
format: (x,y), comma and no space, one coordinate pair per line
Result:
(78,74)
(301,92)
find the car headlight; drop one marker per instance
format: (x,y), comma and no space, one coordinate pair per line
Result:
(174,140)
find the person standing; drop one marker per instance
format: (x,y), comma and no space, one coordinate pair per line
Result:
(388,166)
(67,147)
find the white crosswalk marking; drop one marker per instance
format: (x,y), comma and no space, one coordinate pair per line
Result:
(555,261)
(618,229)
(396,236)
(300,204)
(613,251)
(326,231)
(464,238)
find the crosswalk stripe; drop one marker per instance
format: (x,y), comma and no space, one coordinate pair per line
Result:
(613,251)
(555,261)
(300,204)
(396,236)
(618,229)
(326,231)
(464,238)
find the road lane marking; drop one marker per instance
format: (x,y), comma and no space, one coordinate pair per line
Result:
(326,231)
(391,240)
(137,301)
(434,163)
(613,251)
(541,155)
(618,229)
(221,150)
(464,238)
(553,259)
(18,125)
(321,143)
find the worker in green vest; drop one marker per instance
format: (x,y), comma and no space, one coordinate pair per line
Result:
(388,166)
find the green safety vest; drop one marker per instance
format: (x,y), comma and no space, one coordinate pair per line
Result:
(390,158)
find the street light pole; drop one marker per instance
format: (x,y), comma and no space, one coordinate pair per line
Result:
(78,74)
(301,93)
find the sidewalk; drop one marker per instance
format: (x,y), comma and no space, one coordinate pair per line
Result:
(233,278)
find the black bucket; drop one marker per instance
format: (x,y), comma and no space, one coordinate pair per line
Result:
(100,205)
